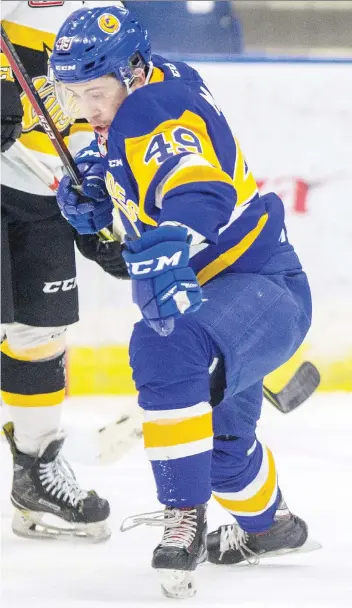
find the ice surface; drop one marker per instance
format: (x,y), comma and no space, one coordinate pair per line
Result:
(313,450)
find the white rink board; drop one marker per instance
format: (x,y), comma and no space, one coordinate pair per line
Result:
(294,122)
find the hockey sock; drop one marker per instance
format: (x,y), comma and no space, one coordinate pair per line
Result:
(34,392)
(178,443)
(245,482)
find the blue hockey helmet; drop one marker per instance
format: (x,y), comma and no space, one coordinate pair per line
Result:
(99,41)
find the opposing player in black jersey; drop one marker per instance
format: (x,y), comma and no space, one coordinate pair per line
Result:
(39,290)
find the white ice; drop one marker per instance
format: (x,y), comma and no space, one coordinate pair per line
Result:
(313,449)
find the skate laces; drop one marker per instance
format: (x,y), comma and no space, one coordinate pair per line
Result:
(58,480)
(182,534)
(180,525)
(232,537)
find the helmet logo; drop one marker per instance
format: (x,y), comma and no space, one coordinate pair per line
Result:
(109,24)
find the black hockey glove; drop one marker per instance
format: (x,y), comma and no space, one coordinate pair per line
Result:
(108,255)
(11,114)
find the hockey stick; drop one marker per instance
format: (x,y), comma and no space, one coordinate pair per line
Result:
(43,115)
(301,386)
(36,166)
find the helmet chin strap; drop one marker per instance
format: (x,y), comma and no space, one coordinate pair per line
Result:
(150,72)
(129,81)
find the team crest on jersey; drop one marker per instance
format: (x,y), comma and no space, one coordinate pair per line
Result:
(120,201)
(44,3)
(109,24)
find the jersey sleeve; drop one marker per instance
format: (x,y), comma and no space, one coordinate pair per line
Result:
(180,178)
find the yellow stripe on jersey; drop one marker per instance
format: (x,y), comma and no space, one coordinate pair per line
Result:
(189,175)
(230,256)
(157,76)
(40,142)
(170,434)
(3,61)
(80,127)
(29,37)
(253,500)
(39,400)
(144,172)
(244,182)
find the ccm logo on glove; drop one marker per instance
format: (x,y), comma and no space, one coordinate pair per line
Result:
(152,266)
(164,286)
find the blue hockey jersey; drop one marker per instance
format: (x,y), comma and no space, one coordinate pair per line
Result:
(171,157)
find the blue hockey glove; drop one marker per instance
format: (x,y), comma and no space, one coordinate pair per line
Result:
(163,285)
(90,209)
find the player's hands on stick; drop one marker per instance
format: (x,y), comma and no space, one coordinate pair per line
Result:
(89,209)
(108,254)
(11,114)
(163,285)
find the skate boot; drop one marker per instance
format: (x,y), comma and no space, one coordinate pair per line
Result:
(182,548)
(47,499)
(231,545)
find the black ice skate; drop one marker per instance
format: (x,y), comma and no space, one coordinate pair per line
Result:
(47,499)
(182,548)
(231,545)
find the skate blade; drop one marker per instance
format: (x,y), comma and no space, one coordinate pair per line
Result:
(307,547)
(177,584)
(30,524)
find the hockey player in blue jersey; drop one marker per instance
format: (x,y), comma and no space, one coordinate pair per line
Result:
(214,276)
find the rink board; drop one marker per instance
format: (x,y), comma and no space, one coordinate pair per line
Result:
(294,123)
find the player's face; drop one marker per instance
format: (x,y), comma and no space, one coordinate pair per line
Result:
(97,101)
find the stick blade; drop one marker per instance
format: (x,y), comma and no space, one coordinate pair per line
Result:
(301,386)
(117,438)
